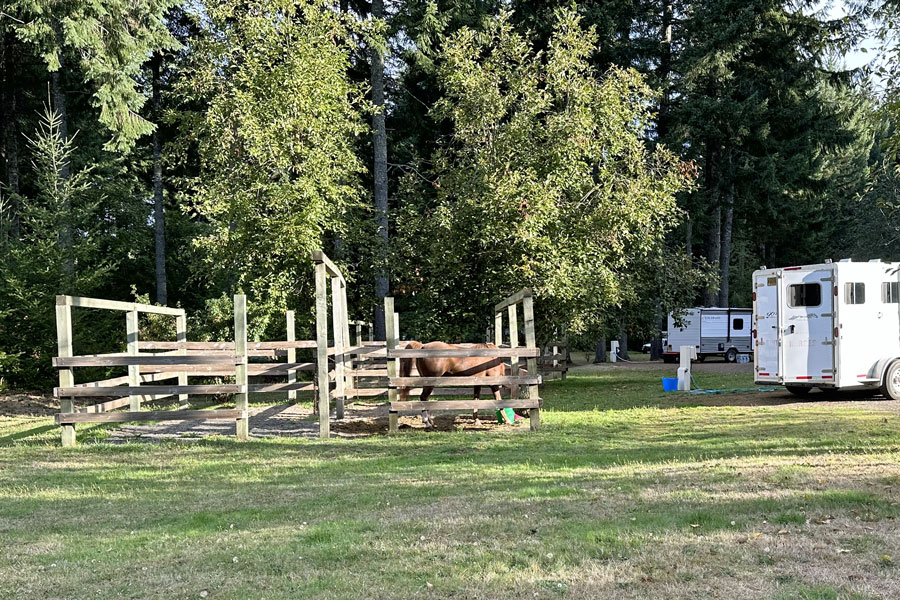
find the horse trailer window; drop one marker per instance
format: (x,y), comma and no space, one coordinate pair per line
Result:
(890,292)
(805,294)
(738,325)
(855,293)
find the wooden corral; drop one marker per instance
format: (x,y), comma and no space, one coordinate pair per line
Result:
(152,361)
(339,371)
(456,386)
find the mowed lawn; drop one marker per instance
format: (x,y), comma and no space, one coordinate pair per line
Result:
(625,492)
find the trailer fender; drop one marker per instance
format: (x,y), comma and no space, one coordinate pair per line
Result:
(881,366)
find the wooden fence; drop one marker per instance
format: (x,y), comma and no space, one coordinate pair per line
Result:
(455,386)
(153,361)
(341,372)
(150,362)
(554,358)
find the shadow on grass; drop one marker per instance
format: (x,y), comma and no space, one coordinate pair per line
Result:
(8,440)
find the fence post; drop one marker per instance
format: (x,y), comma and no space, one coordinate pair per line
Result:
(291,353)
(498,328)
(531,362)
(337,330)
(371,332)
(390,326)
(242,426)
(181,337)
(134,371)
(66,376)
(514,343)
(322,348)
(345,333)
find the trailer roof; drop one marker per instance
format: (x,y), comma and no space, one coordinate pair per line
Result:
(831,265)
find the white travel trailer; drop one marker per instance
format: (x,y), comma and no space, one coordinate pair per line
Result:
(713,332)
(830,326)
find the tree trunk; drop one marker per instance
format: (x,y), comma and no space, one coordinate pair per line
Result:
(665,68)
(714,233)
(656,345)
(380,174)
(159,216)
(58,98)
(727,226)
(688,235)
(623,341)
(10,133)
(600,351)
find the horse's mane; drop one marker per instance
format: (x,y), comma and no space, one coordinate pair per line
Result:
(484,346)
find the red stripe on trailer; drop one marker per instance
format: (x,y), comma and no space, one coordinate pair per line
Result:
(827,376)
(792,268)
(804,377)
(863,376)
(764,374)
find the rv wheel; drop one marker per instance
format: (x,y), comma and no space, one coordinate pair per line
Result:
(891,386)
(731,355)
(798,390)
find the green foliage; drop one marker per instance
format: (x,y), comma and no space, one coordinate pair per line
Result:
(545,181)
(279,171)
(40,263)
(112,39)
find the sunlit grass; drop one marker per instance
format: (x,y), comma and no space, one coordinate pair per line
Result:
(626,491)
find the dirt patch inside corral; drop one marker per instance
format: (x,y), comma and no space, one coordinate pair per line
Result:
(28,404)
(295,420)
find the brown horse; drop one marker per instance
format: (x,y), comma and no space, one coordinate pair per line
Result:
(468,366)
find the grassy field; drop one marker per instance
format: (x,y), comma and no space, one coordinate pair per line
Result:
(625,492)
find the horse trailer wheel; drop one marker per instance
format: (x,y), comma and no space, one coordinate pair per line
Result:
(798,390)
(731,355)
(891,386)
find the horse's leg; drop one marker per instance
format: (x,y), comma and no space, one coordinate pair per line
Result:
(475,410)
(426,416)
(498,398)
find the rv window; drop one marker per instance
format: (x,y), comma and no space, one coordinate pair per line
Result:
(890,292)
(737,325)
(855,293)
(805,294)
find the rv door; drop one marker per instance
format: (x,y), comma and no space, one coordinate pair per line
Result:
(766,357)
(807,326)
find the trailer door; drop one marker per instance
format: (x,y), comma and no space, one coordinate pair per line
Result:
(808,326)
(765,315)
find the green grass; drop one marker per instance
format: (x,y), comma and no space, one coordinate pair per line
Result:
(625,491)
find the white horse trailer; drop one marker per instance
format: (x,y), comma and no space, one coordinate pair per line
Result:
(713,332)
(830,326)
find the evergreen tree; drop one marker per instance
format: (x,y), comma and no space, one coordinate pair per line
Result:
(111,39)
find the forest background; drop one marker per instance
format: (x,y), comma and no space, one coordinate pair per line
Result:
(623,158)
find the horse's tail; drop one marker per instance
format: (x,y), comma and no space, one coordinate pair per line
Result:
(406,365)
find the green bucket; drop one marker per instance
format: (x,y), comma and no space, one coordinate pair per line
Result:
(510,414)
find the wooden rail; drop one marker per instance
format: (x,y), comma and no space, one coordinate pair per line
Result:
(148,390)
(465,352)
(150,415)
(410,406)
(117,360)
(454,381)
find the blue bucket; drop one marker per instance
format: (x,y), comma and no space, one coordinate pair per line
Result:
(670,384)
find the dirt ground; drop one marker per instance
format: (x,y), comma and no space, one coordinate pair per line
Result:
(282,420)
